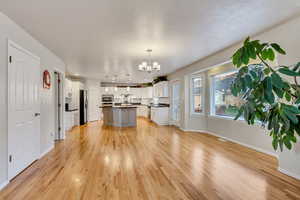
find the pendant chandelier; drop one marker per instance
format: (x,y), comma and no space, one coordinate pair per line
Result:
(149,66)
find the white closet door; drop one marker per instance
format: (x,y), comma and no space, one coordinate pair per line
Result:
(23,109)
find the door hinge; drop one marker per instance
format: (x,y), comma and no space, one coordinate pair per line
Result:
(59,105)
(10,59)
(10,158)
(59,128)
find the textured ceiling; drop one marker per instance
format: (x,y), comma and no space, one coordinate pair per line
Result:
(102,38)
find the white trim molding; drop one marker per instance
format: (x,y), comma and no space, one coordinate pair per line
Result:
(4,184)
(15,45)
(47,151)
(296,176)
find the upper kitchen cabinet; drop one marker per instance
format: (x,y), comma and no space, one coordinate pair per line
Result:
(149,92)
(68,88)
(161,89)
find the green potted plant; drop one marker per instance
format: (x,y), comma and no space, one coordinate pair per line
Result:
(271,94)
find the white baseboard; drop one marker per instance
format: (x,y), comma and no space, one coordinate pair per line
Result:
(296,176)
(4,184)
(162,123)
(192,130)
(47,151)
(232,140)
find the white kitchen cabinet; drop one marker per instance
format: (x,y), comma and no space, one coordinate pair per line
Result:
(69,120)
(155,90)
(76,118)
(68,88)
(160,115)
(149,92)
(165,89)
(161,89)
(72,89)
(143,111)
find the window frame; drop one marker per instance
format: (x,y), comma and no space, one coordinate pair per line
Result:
(212,95)
(191,94)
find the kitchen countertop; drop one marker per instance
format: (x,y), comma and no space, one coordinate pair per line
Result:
(118,106)
(72,110)
(136,105)
(159,105)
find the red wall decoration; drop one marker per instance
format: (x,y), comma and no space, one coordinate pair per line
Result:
(46,79)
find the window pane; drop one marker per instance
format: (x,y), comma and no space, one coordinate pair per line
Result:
(196,96)
(197,104)
(223,99)
(197,85)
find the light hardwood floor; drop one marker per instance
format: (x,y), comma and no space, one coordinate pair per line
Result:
(150,162)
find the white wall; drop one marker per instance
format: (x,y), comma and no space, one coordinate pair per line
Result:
(10,30)
(287,35)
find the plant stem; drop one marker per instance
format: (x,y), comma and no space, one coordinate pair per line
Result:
(265,63)
(295,80)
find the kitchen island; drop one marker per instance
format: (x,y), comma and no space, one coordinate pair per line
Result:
(119,115)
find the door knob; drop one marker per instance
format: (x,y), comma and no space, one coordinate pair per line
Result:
(37,114)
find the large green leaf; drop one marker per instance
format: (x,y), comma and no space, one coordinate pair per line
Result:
(265,54)
(293,138)
(236,58)
(287,143)
(297,67)
(279,92)
(246,40)
(277,80)
(287,96)
(268,90)
(278,48)
(287,71)
(281,145)
(271,54)
(285,120)
(291,116)
(291,108)
(245,56)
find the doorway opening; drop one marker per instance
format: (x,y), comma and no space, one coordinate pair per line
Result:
(83,106)
(59,106)
(175,104)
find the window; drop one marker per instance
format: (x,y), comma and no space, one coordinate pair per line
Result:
(196,94)
(223,101)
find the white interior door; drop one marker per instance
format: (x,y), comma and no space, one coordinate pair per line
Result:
(23,109)
(94,103)
(176,103)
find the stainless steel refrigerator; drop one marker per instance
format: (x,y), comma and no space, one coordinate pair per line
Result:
(83,106)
